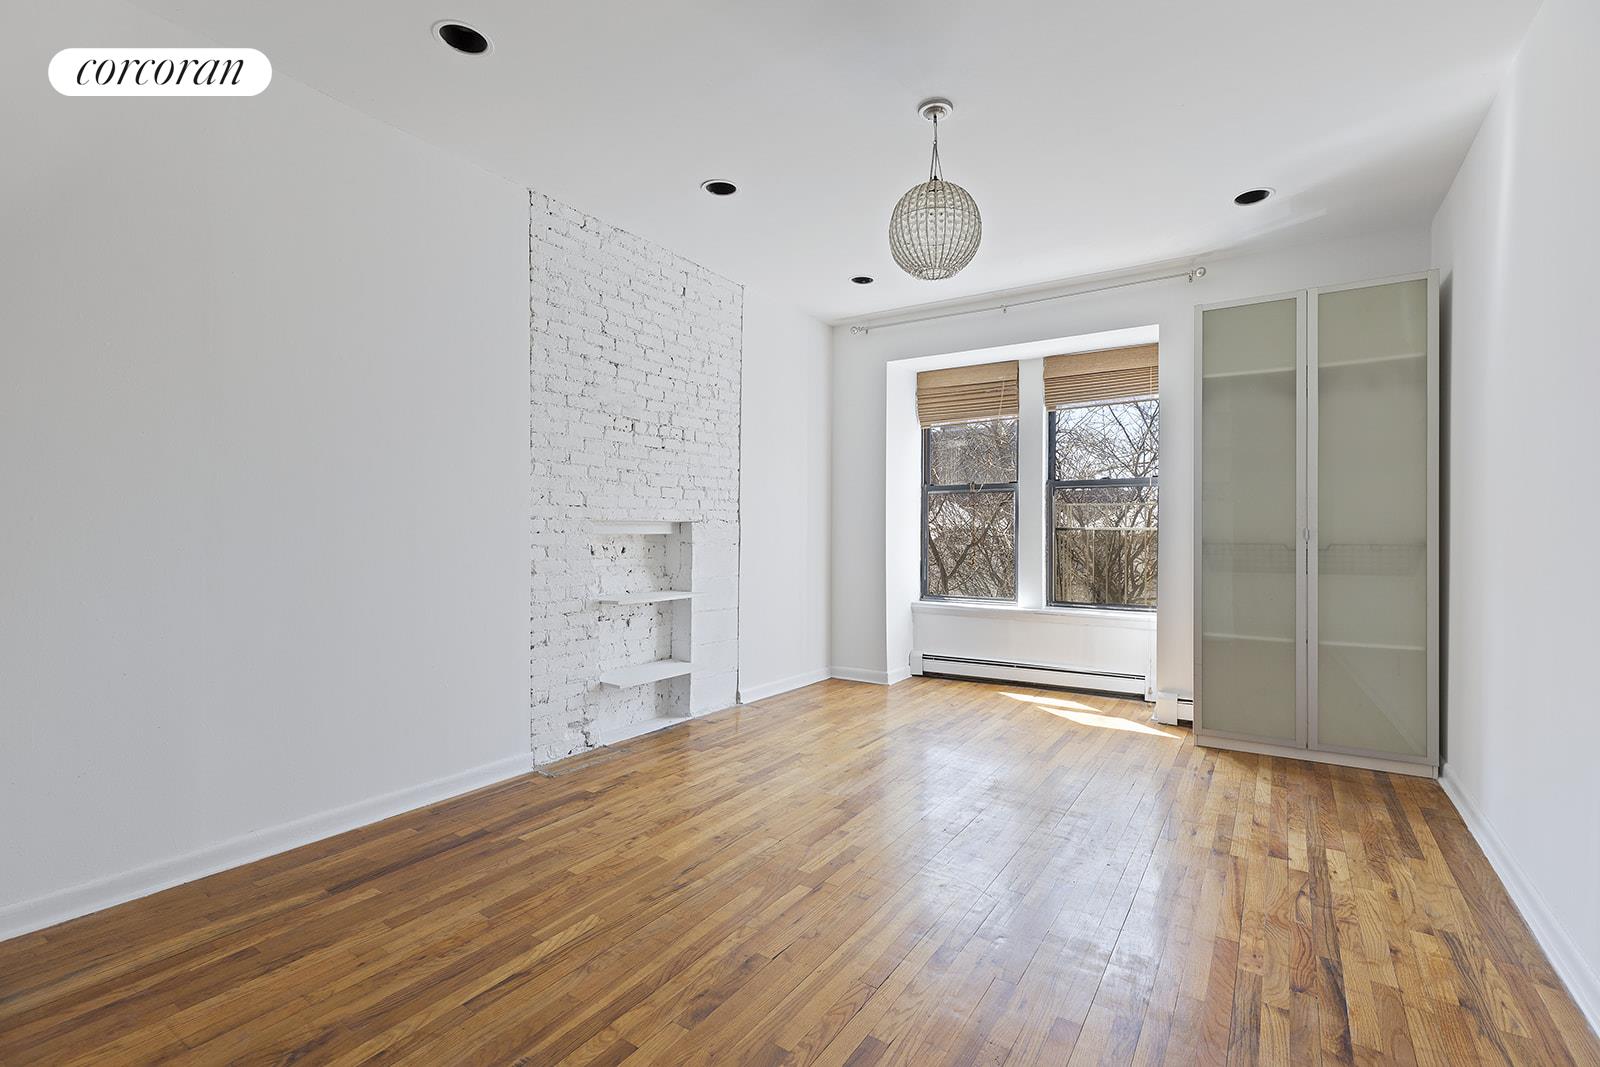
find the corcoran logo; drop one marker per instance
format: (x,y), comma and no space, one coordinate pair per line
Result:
(160,72)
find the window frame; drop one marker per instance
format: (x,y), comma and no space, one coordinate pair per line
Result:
(1012,487)
(1051,484)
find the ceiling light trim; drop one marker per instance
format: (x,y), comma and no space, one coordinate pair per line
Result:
(437,32)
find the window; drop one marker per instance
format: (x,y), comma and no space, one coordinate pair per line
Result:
(1096,433)
(1101,503)
(969,509)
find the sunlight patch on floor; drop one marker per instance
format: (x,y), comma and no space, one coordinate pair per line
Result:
(1084,715)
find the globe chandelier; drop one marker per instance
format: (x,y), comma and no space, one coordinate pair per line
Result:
(935,228)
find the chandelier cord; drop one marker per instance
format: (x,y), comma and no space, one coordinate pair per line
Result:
(935,168)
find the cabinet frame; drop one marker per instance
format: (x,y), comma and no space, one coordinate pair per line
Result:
(1307,745)
(1249,742)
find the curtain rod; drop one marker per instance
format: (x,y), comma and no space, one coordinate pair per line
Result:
(1193,274)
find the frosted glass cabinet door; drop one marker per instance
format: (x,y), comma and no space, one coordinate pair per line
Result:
(1370,403)
(1250,521)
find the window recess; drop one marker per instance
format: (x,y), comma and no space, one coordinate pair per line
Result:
(969,482)
(1101,503)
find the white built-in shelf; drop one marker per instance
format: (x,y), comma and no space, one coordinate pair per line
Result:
(1269,639)
(1262,372)
(1396,357)
(645,673)
(647,527)
(1267,372)
(649,596)
(614,735)
(1366,645)
(1371,647)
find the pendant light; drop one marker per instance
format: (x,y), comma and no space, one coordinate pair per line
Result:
(935,228)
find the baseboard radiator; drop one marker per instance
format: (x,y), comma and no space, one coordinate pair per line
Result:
(1173,708)
(1112,682)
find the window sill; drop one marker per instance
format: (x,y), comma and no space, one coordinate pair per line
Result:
(1110,617)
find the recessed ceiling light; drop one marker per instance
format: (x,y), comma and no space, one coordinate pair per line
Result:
(862,279)
(461,37)
(719,187)
(1252,196)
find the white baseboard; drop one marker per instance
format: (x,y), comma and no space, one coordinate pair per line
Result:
(855,674)
(70,903)
(751,694)
(1565,957)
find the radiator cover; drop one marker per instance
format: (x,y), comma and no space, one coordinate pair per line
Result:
(1111,682)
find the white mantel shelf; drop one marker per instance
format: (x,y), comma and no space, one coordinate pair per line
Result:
(647,527)
(649,596)
(645,673)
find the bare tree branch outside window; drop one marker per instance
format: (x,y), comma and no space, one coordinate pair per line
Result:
(1105,466)
(969,510)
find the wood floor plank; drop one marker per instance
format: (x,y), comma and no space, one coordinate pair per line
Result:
(937,872)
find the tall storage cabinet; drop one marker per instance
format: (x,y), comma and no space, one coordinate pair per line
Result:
(1317,539)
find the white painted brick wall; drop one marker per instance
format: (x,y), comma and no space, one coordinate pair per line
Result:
(635,356)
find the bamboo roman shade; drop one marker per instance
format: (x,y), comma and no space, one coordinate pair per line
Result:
(1096,377)
(962,393)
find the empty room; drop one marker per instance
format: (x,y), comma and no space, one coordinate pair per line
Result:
(814,533)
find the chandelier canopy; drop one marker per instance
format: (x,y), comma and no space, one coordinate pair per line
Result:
(935,228)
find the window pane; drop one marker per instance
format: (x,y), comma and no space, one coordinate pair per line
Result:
(1108,441)
(961,453)
(1105,546)
(972,545)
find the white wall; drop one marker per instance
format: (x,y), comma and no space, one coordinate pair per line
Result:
(783,498)
(1514,240)
(870,608)
(1106,642)
(264,464)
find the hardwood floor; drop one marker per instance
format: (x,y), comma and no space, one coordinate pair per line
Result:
(941,872)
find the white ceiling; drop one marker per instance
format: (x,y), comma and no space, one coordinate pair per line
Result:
(1096,135)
